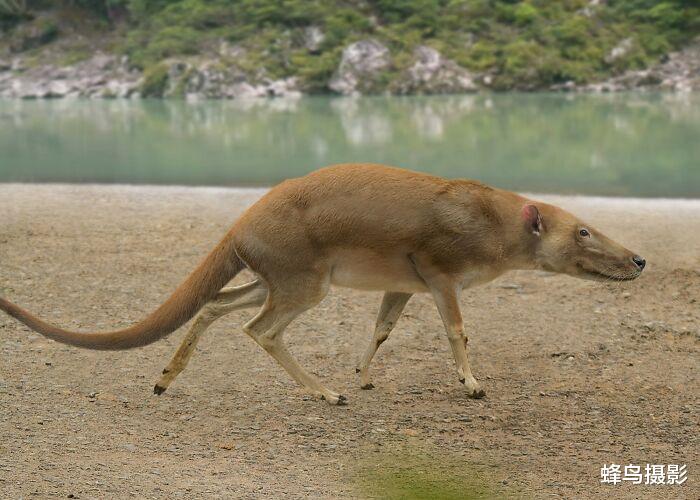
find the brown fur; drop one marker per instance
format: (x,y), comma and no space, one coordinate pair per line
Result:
(370,227)
(200,287)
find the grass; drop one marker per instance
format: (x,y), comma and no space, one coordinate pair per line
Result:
(413,474)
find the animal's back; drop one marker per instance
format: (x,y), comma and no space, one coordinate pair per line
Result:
(350,203)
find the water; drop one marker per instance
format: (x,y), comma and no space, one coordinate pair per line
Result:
(628,145)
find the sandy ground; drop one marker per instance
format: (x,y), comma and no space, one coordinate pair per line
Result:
(577,373)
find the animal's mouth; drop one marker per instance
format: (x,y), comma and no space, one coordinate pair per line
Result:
(600,276)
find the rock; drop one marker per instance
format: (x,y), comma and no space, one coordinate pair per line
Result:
(18,64)
(313,38)
(656,326)
(29,90)
(679,72)
(104,62)
(620,50)
(117,88)
(212,79)
(5,65)
(230,51)
(245,90)
(287,87)
(100,76)
(567,86)
(57,88)
(431,73)
(359,67)
(511,286)
(590,9)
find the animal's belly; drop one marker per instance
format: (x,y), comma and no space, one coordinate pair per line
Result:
(367,270)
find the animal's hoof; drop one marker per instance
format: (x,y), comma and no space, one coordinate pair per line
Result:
(158,389)
(367,387)
(357,370)
(477,394)
(339,401)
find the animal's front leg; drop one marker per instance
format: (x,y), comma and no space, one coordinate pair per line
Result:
(445,296)
(445,290)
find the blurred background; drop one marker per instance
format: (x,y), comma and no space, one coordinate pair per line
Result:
(580,96)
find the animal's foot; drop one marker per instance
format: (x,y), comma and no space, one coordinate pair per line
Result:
(474,391)
(364,379)
(335,399)
(164,381)
(477,394)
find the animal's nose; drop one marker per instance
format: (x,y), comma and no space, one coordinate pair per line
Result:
(639,261)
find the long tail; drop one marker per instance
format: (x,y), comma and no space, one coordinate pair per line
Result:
(201,286)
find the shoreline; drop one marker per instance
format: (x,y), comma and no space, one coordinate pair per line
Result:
(611,201)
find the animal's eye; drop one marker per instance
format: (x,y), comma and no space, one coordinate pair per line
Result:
(584,233)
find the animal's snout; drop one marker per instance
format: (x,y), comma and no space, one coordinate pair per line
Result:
(639,262)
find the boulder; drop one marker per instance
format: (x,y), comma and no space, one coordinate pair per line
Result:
(245,90)
(57,89)
(359,67)
(102,76)
(29,90)
(620,50)
(287,87)
(679,71)
(431,73)
(211,79)
(313,38)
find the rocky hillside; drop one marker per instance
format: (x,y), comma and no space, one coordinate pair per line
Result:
(242,48)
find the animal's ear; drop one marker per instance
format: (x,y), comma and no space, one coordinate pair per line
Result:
(532,218)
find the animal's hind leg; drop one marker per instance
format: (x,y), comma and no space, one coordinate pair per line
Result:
(393,304)
(228,300)
(267,329)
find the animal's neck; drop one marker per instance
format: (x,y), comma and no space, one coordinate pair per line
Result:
(519,245)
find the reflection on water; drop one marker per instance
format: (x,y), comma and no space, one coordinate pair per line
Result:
(630,144)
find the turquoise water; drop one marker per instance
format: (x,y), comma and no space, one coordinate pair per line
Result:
(626,144)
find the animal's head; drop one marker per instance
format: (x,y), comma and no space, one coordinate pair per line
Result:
(564,244)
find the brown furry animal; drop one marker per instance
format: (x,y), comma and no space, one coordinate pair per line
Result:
(370,227)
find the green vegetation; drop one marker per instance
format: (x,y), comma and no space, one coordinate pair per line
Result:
(521,44)
(155,79)
(411,474)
